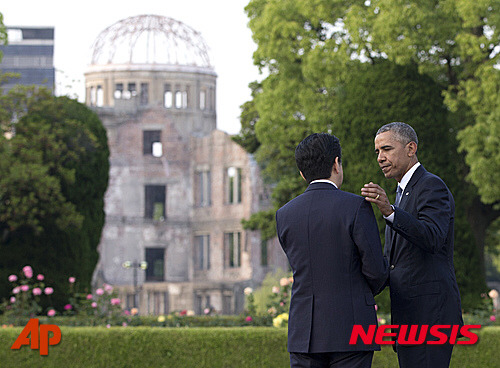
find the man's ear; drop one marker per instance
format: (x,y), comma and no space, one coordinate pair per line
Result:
(412,149)
(336,165)
(303,177)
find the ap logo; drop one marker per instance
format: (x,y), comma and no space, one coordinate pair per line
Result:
(39,337)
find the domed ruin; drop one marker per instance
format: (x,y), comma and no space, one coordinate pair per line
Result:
(178,187)
(151,60)
(150,39)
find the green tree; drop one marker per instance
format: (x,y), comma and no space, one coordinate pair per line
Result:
(309,49)
(3,34)
(3,41)
(54,164)
(248,118)
(382,92)
(456,42)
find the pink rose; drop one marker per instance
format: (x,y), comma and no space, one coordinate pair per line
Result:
(493,318)
(108,288)
(51,313)
(37,291)
(12,278)
(68,307)
(108,326)
(40,277)
(275,289)
(206,310)
(284,282)
(12,299)
(28,271)
(126,312)
(94,305)
(115,301)
(89,296)
(25,287)
(16,290)
(99,291)
(249,319)
(48,291)
(124,324)
(71,280)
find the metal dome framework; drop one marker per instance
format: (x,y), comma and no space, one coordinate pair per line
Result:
(150,39)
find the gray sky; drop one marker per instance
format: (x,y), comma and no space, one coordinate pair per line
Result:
(222,23)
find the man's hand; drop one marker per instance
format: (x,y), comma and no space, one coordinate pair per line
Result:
(375,194)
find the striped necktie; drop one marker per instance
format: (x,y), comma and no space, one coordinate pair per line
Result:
(399,193)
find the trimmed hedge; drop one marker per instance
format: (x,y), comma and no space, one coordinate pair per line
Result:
(172,320)
(198,347)
(148,321)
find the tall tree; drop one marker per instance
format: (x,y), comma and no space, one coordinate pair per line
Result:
(457,42)
(54,175)
(3,41)
(309,48)
(3,34)
(248,118)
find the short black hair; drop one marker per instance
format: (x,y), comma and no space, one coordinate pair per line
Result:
(403,132)
(316,154)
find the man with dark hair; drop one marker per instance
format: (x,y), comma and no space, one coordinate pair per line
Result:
(418,244)
(332,242)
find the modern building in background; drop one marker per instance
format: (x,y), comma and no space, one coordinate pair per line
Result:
(30,54)
(179,187)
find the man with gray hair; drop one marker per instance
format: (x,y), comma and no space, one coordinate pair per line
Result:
(418,246)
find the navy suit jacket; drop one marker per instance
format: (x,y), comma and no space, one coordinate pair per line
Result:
(419,247)
(332,242)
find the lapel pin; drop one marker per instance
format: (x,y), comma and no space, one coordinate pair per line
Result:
(407,193)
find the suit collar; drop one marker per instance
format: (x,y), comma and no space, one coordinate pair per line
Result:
(409,187)
(321,186)
(406,177)
(391,235)
(324,181)
(415,177)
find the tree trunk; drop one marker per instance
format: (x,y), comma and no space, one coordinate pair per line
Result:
(480,216)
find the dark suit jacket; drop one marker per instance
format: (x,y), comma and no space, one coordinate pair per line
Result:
(419,247)
(332,242)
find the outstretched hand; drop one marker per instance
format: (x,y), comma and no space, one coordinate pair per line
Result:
(375,194)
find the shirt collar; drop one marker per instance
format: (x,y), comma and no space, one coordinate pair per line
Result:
(406,177)
(324,181)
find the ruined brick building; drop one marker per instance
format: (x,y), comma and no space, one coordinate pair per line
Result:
(178,187)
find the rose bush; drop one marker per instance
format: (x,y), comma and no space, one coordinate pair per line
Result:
(26,295)
(28,292)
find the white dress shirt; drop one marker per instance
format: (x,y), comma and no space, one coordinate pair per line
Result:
(324,181)
(402,184)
